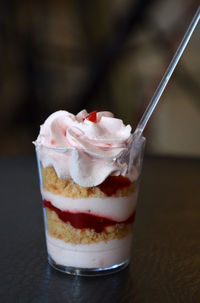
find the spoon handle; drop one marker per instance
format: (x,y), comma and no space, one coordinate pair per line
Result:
(156,97)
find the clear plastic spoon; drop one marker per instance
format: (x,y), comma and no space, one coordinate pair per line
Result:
(156,97)
(134,143)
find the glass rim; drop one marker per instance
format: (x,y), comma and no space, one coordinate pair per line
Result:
(68,148)
(103,148)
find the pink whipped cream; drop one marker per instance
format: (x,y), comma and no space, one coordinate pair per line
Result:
(80,149)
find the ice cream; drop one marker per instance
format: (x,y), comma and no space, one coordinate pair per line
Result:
(89,191)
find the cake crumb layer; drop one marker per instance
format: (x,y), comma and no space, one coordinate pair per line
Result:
(68,188)
(66,232)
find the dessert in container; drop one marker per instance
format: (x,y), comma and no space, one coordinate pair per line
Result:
(89,180)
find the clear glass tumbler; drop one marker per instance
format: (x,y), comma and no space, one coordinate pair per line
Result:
(88,229)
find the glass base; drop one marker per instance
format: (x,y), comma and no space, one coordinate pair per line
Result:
(88,272)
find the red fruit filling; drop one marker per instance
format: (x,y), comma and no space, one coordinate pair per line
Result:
(113,183)
(84,220)
(92,116)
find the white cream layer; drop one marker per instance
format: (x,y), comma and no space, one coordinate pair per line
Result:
(97,255)
(117,208)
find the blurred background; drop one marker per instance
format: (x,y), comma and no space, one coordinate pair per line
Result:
(104,55)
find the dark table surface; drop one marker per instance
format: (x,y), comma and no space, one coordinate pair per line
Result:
(165,263)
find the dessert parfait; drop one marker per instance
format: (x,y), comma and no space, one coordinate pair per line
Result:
(89,185)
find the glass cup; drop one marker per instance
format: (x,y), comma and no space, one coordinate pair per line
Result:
(89,230)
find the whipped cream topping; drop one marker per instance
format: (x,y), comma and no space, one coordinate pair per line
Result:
(80,149)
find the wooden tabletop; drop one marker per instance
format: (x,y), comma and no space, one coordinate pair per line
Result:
(165,264)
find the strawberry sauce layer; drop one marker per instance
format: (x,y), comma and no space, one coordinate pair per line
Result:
(84,220)
(113,183)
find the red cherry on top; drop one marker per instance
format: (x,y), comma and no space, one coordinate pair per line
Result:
(92,116)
